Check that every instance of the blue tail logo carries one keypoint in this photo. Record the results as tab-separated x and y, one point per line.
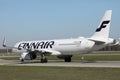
103	25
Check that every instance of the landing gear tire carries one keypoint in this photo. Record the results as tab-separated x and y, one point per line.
67	59
22	60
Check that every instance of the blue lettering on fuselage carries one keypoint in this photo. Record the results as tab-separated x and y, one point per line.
36	45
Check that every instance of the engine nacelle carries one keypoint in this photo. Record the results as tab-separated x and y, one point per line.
28	56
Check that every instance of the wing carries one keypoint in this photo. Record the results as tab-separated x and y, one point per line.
47	51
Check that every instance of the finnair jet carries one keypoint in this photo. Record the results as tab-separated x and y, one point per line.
66	48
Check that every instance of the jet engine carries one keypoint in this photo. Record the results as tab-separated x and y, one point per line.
28	56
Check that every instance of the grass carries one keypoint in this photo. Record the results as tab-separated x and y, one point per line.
99	58
61	73
58	73
10	58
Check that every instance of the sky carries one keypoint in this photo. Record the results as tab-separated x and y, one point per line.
54	19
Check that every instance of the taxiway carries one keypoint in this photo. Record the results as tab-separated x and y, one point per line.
112	64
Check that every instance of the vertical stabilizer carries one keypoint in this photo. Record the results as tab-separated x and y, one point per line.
102	32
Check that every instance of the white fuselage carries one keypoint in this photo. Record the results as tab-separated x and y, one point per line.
64	46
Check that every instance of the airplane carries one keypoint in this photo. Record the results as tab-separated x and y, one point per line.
119	41
66	48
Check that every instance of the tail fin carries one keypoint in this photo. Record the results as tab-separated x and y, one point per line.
4	42
102	32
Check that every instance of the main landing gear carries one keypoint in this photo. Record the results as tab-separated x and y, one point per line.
43	58
67	59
